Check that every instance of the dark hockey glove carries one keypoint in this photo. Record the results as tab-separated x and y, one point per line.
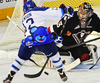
70	10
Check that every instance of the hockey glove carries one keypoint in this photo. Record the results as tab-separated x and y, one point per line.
58	39
68	10
28	42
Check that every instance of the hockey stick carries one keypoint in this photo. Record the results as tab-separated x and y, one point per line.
72	65
15	24
66	18
34	62
37	74
67	68
76	45
77	61
95	63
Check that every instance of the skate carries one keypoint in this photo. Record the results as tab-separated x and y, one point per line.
62	75
9	77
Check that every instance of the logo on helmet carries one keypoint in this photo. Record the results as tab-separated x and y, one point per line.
85	8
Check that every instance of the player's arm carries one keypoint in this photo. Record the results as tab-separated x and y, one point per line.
68	12
57	27
56	13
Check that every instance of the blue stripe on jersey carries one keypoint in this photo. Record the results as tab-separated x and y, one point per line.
57	61
15	67
62	13
38	9
18	62
59	66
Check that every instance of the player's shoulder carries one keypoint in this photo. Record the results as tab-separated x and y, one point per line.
39	9
95	16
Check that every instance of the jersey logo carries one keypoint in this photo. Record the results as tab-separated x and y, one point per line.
40	34
80	36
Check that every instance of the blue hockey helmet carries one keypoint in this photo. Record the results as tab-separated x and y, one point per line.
29	4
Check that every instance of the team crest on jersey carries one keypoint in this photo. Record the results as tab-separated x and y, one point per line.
80	36
40	34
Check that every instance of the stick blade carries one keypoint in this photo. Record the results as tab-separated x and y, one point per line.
72	65
37	74
91	67
32	75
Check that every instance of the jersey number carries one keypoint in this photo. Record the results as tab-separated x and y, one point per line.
29	22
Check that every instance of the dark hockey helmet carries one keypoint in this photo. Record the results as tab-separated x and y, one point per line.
85	8
29	4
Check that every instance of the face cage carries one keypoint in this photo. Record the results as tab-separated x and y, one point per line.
88	15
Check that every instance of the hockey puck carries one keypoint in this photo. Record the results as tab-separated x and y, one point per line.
46	73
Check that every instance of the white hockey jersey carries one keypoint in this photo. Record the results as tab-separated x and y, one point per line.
38	17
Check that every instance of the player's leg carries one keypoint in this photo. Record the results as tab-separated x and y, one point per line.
23	55
14	68
65	56
93	54
52	53
83	52
57	62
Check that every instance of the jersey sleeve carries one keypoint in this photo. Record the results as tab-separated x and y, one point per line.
50	13
54	14
58	27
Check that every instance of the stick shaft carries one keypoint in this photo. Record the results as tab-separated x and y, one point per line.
76	45
95	63
15	24
37	74
34	62
66	18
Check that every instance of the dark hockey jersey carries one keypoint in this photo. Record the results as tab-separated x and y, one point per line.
73	33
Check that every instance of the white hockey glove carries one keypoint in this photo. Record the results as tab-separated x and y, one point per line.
68	10
58	40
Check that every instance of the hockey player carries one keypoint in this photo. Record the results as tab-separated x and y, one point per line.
76	29
38	38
